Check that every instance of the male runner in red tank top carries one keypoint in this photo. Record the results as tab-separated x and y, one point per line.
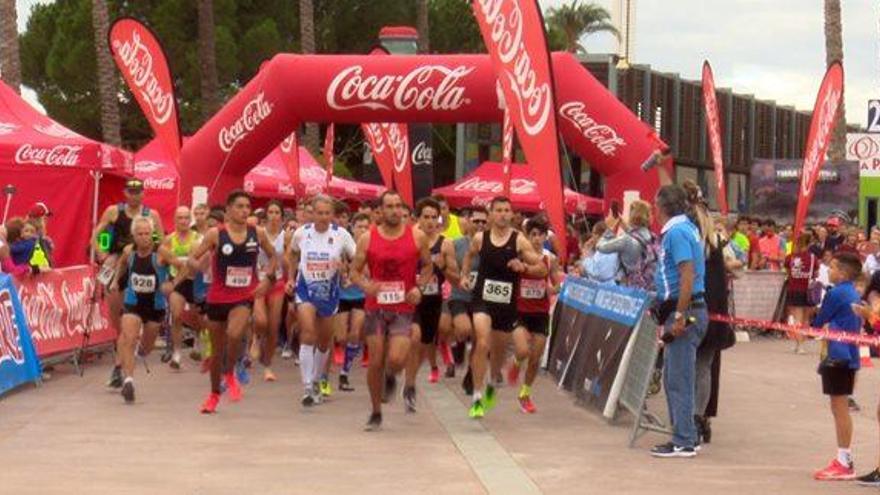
391	250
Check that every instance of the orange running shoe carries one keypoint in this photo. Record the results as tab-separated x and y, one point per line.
835	471
434	377
338	354
526	405
210	404
233	387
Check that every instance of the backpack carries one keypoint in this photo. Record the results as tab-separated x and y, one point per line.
642	274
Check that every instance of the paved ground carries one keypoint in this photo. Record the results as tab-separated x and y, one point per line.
73	436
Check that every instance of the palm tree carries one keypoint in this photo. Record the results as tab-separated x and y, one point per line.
834	52
207	59
567	24
423	26
108	84
10	63
307	41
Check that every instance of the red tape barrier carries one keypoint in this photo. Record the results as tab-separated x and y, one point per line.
819	333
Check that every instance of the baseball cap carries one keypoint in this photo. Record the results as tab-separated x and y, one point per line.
134	185
39	210
833	222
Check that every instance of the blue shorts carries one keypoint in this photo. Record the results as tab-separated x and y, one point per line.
324	297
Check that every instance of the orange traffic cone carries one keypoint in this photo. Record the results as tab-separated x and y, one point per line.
865	356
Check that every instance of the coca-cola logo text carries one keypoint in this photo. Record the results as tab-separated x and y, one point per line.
714	133
812	161
60	309
64	155
479	185
147	166
289	143
603	136
137	60
255	112
434	87
422	154
10	335
531	90
163	183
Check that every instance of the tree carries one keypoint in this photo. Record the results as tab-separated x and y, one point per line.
108	85
423	26
567	24
208	59
307	42
834	53
10	61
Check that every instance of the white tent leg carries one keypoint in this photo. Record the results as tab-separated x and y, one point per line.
97	176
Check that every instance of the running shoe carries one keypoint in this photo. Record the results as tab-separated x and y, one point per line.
669	449
409	399
307	399
115	380
287	353
390	389
210	404
491	398
835	471
477	410
344	385
526	405
195	355
513	374
467	384
166	356
434	376
326	389
241	373
175	361
268	375
853	405
316	394
450	371
374	423
128	391
870	479
233	387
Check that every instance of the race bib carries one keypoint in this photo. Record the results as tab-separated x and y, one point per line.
106	274
391	293
143	284
319	271
497	291
472	279
532	289
431	288
238	276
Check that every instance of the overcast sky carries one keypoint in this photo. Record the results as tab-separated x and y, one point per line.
774	49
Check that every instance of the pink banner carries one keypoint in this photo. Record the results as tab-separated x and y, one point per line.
713	126
389	144
821	127
60	306
507	149
290	156
329	157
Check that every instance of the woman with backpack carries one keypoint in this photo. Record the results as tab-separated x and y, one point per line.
634	246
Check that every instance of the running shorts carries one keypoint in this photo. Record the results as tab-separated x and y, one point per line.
220	311
503	317
536	323
388	323
428	318
147	314
347	305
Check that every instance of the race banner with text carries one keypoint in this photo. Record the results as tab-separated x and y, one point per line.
18	359
389	144
290	156
592	326
825	111
713	126
144	66
61	306
513	31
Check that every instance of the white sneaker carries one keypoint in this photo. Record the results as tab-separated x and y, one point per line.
286	353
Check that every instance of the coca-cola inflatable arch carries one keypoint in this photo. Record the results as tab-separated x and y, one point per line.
291	89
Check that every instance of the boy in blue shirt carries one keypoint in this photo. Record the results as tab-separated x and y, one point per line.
840	361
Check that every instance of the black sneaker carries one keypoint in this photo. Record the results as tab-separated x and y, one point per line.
344	385
409	399
166	356
870	479
308	400
128	392
468	383
853	405
450	371
374	423
669	449
390	389
115	380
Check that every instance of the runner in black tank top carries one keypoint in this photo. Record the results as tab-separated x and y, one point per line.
494	295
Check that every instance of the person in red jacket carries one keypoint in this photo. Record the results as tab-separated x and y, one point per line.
802	267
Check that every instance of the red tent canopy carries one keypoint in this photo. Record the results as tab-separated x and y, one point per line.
484	183
269	179
47	162
161	180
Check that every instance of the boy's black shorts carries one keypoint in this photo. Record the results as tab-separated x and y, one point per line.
837	380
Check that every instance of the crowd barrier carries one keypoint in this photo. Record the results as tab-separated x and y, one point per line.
58	315
758	295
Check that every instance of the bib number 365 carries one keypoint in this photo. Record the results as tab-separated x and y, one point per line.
497	291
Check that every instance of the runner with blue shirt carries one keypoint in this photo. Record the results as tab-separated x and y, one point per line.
351	312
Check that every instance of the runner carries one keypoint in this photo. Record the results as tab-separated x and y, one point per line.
504	256
392	251
316	253
116	221
428	310
350	317
180	243
200	218
267	309
142	275
533	304
234	246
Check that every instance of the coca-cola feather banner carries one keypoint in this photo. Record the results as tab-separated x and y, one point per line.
144	66
824	116
513	31
713	126
329	157
290	155
389	145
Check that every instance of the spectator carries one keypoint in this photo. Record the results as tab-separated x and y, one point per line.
681	309
602	268
24	246
770	248
835	238
820	236
754	244
634	246
850	244
802	268
740	235
39	214
868	252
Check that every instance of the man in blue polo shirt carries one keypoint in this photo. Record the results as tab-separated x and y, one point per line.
679	279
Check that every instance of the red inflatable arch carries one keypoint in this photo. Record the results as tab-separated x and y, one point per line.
291	89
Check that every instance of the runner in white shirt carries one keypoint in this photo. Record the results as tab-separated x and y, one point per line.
316	252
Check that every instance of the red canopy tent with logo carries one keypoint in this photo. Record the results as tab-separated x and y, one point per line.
73	175
485	182
269	179
157	170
